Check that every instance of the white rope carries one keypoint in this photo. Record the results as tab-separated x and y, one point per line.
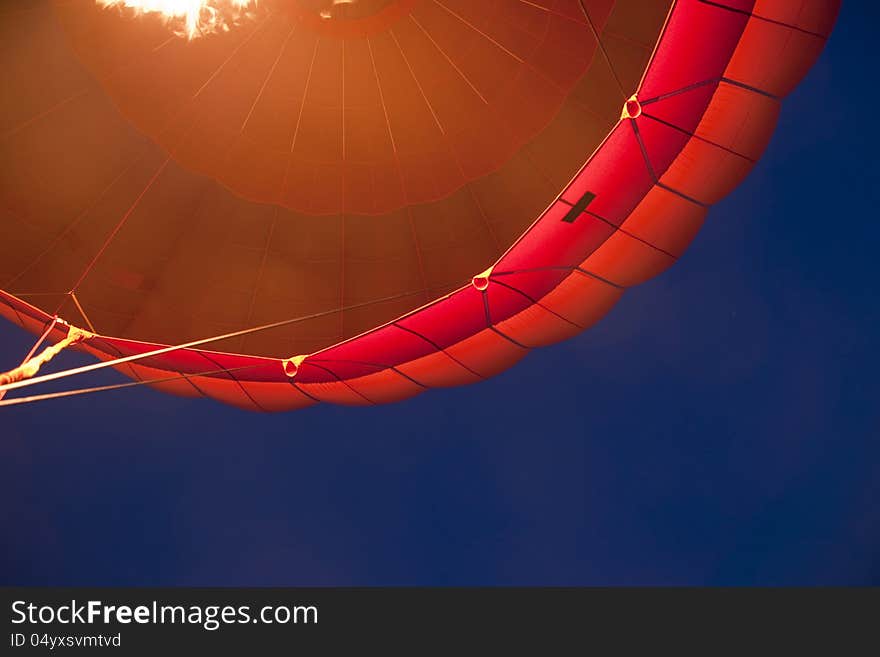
188	345
130	384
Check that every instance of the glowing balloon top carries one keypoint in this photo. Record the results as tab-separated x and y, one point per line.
190	18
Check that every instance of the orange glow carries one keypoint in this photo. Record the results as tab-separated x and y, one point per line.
327	13
191	18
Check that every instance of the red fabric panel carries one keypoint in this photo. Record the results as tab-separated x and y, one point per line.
556	243
388	345
666	220
450	342
792	52
662	144
386	386
534	283
682	109
582	299
450	320
696	46
439	370
812	15
487	353
627	261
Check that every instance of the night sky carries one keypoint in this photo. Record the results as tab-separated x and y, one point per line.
721	426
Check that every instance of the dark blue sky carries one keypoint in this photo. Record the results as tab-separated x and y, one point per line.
721	426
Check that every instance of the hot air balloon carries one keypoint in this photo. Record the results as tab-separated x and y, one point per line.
277	203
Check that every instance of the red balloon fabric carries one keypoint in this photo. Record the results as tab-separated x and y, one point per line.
400	194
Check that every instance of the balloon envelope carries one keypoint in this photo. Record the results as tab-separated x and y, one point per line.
433	186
